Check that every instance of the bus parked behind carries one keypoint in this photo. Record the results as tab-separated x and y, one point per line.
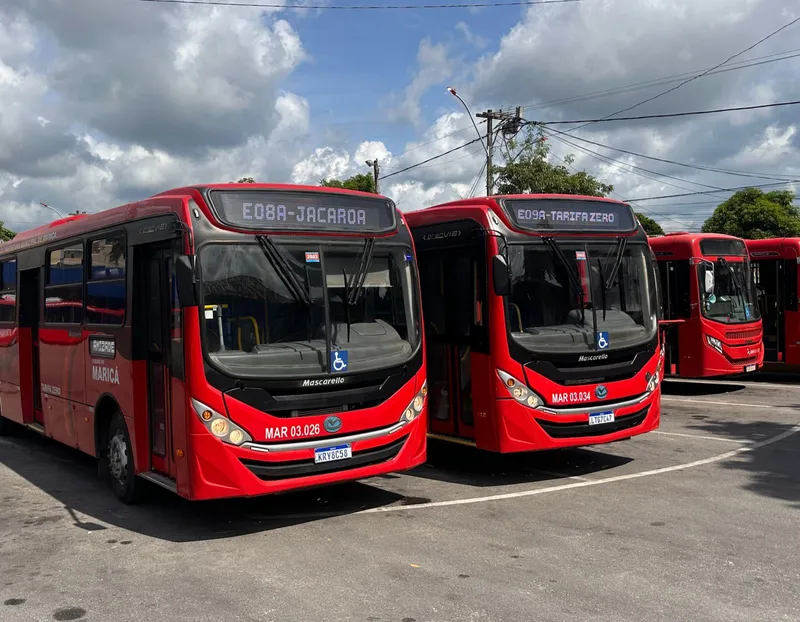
712	322
775	276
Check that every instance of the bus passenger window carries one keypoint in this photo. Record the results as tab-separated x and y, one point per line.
105	291
63	294
8	290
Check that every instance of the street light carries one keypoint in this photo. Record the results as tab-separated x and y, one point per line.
452	92
52	208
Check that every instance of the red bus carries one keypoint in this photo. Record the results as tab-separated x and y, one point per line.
220	341
541	321
774	264
712	325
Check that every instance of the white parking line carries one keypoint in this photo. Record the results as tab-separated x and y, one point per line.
705	438
667	398
598	482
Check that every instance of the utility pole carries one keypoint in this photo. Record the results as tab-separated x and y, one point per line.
508	123
376	170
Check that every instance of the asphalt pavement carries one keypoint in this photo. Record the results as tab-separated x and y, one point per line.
696	521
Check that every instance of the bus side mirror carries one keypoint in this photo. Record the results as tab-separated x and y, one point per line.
709	282
502	284
184	280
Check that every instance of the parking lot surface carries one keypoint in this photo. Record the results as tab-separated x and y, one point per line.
696	521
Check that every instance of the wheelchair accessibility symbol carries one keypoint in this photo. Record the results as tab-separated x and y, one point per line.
602	341
339	360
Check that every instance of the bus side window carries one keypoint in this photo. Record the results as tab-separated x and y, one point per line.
681	297
8	290
790	284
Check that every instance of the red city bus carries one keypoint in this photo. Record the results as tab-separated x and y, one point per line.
541	321
220	341
774	263
712	325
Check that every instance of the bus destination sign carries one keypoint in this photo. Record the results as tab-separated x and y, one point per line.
303	211
567	215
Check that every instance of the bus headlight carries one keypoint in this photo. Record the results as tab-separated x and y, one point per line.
221	427
519	391
413	410
653	381
714	343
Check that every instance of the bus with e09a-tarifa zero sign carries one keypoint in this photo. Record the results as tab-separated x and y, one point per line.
540	321
712	325
220	341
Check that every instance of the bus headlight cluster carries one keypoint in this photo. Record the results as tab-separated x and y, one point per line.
221	427
714	343
413	410
519	391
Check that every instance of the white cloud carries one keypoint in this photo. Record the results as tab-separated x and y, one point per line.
434	67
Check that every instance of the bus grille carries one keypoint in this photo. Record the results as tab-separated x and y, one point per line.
305	468
580	429
743	334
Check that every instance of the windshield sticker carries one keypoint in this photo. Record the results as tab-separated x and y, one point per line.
602	340
580	255
339	361
312	257
408	257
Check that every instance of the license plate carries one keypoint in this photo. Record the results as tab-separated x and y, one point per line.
749	367
607	417
331	454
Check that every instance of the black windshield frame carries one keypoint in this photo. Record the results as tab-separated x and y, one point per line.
327	246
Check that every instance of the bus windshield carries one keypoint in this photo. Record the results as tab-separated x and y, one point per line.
267	306
726	291
559	291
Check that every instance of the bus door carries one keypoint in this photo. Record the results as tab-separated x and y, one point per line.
674	284
153	286
453	286
768	277
29	314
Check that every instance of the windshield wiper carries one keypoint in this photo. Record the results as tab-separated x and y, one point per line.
606	283
360	275
571	275
346	303
735	278
284	271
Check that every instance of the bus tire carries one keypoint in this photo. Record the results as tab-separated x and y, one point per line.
6	426
118	458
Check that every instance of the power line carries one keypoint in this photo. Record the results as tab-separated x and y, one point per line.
794	53
697	76
666	161
665	116
648	174
362	7
688	194
436	157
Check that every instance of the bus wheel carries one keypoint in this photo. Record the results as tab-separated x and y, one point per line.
6	426
119	460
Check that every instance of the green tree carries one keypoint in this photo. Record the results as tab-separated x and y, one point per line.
244	180
754	214
651	227
6	234
363	182
531	172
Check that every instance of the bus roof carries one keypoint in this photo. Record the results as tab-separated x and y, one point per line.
83	223
682	245
787	248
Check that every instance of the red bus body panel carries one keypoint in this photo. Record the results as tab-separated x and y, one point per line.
201	466
500	423
741	342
